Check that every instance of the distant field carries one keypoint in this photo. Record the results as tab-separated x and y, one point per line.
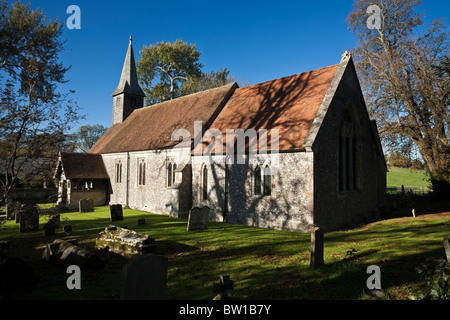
396	177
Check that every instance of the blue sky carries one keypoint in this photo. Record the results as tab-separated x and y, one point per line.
257	40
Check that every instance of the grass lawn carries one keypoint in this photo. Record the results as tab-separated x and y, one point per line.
265	264
396	177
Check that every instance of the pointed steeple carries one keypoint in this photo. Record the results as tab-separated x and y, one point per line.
128	80
129	95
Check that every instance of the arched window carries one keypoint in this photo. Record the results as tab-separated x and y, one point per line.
174	168
118	171
169	175
348	154
257	184
141	172
267	181
204	188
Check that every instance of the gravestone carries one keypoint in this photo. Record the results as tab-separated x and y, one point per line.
447	249
115	212
66	253
86	205
317	245
50	228
53	223
29	218
198	218
124	241
145	278
141	222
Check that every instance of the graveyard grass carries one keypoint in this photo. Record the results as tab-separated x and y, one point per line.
264	263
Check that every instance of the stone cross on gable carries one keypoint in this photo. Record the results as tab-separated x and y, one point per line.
346	55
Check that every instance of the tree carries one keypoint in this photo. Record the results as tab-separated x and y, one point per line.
404	75
207	81
173	63
88	135
33	115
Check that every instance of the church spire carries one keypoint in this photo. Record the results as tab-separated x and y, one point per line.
128	95
128	80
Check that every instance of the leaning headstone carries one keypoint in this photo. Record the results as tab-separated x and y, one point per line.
29	218
115	212
86	205
447	249
145	278
124	241
317	245
198	218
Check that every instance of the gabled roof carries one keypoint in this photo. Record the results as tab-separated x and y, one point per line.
151	128
81	166
289	104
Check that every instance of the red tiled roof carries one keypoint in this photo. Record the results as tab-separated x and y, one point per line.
151	128
289	104
83	166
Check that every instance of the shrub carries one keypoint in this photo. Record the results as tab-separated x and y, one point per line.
397	159
416	164
436	273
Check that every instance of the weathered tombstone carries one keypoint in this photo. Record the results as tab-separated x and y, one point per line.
317	245
68	253
116	213
198	218
221	288
86	205
447	249
29	219
124	241
50	227
145	278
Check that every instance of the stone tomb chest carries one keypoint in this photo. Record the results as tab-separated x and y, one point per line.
124	241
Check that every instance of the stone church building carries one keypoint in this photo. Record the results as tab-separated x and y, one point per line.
311	154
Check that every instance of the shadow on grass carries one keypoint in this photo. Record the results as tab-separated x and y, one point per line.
265	264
